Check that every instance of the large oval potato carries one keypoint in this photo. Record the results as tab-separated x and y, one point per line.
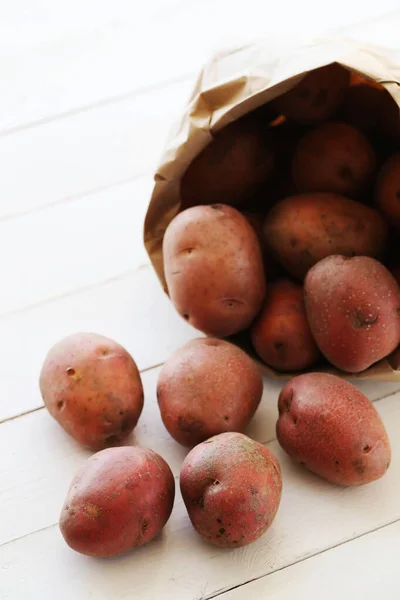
317	96
301	230
334	157
353	307
330	427
231	167
231	486
119	499
214	269
387	190
92	387
281	335
207	387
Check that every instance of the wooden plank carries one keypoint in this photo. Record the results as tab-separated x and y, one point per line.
56	251
132	310
314	516
113	49
366	568
68	158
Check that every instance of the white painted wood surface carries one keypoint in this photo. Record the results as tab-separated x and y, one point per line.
88	92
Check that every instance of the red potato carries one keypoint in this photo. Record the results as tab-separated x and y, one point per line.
231	167
207	387
301	230
231	486
387	190
336	158
119	499
353	308
330	427
214	269
395	271
281	335
362	107
92	387
317	96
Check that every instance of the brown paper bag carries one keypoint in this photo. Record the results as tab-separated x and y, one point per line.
232	84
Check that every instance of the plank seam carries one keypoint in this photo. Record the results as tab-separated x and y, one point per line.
224	591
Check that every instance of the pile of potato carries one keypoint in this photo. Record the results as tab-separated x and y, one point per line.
299	272
286	214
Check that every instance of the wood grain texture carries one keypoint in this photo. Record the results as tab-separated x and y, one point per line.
356	569
74	245
314	516
66	159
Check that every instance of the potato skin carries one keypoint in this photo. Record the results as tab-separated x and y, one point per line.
214	269
303	229
208	387
353	307
336	158
395	271
387	190
231	486
119	499
329	426
92	387
231	167
317	96
281	335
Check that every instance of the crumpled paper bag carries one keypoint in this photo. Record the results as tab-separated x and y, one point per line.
232	84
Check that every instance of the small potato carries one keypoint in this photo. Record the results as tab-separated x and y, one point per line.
231	486
214	269
208	387
317	96
353	308
387	190
281	335
330	427
92	387
334	157
301	230
119	499
231	167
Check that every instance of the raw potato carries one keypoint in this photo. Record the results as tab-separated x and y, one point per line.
214	269
92	387
387	191
231	167
395	271
330	427
367	107
119	499
334	157
301	230
353	307
317	96
231	486
208	387
281	335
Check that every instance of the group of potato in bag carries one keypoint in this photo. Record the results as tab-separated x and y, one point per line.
322	208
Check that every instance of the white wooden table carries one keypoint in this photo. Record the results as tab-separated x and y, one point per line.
88	91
